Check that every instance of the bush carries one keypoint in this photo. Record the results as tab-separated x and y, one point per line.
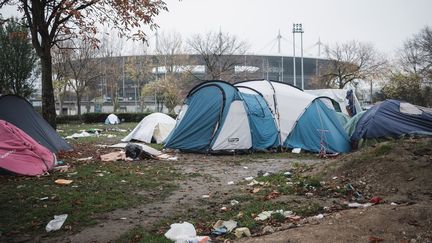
68	119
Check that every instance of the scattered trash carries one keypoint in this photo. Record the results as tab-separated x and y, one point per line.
255	182
224	208
273	195
376	200
373	239
296	150
308	194
134	151
84	159
411	179
79	135
142	151
56	223
267	214
294	217
111	136
319	216
359	205
123	218
245	167
234	202
230	183
249	178
113	156
222	227
123	181
100	174
239	215
264	215
72	173
288	173
393	204
239	232
43	198
334	177
63	181
61	168
205	196
266	174
256	190
356	193
184	232
268	229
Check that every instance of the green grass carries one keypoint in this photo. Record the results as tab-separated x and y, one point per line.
69	129
383	149
96	188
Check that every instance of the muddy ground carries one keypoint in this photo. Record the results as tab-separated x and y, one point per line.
400	173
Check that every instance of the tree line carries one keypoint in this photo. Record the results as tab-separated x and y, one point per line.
60	40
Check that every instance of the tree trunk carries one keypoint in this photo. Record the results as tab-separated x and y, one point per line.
60	101
78	98
48	101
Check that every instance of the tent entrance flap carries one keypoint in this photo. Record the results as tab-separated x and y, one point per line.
318	126
235	133
196	129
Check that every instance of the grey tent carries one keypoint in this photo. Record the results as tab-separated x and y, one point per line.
21	113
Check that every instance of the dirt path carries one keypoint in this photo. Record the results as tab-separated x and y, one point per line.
386	223
211	178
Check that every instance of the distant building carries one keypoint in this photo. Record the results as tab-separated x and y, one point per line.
279	68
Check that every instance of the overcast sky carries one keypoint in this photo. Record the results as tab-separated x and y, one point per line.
384	23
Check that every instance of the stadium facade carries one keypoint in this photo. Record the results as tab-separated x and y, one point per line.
271	67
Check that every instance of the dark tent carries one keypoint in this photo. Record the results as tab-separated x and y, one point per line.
21	113
392	119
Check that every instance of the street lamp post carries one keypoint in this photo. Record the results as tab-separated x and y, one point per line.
298	28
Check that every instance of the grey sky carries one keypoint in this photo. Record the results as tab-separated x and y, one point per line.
384	23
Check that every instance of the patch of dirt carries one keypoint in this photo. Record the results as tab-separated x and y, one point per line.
398	172
404	223
207	175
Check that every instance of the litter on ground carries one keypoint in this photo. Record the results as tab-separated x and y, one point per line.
56	223
184	232
63	181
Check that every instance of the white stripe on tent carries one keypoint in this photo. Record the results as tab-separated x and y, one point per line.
235	133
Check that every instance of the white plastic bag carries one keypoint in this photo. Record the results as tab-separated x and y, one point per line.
56	223
184	233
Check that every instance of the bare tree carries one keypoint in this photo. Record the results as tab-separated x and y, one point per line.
219	52
81	67
112	69
60	82
51	22
139	70
411	77
351	61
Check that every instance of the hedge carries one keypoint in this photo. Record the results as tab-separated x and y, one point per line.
100	117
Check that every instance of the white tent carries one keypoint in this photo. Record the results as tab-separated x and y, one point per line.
339	95
112	119
156	125
287	102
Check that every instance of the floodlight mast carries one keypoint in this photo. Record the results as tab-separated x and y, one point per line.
298	28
